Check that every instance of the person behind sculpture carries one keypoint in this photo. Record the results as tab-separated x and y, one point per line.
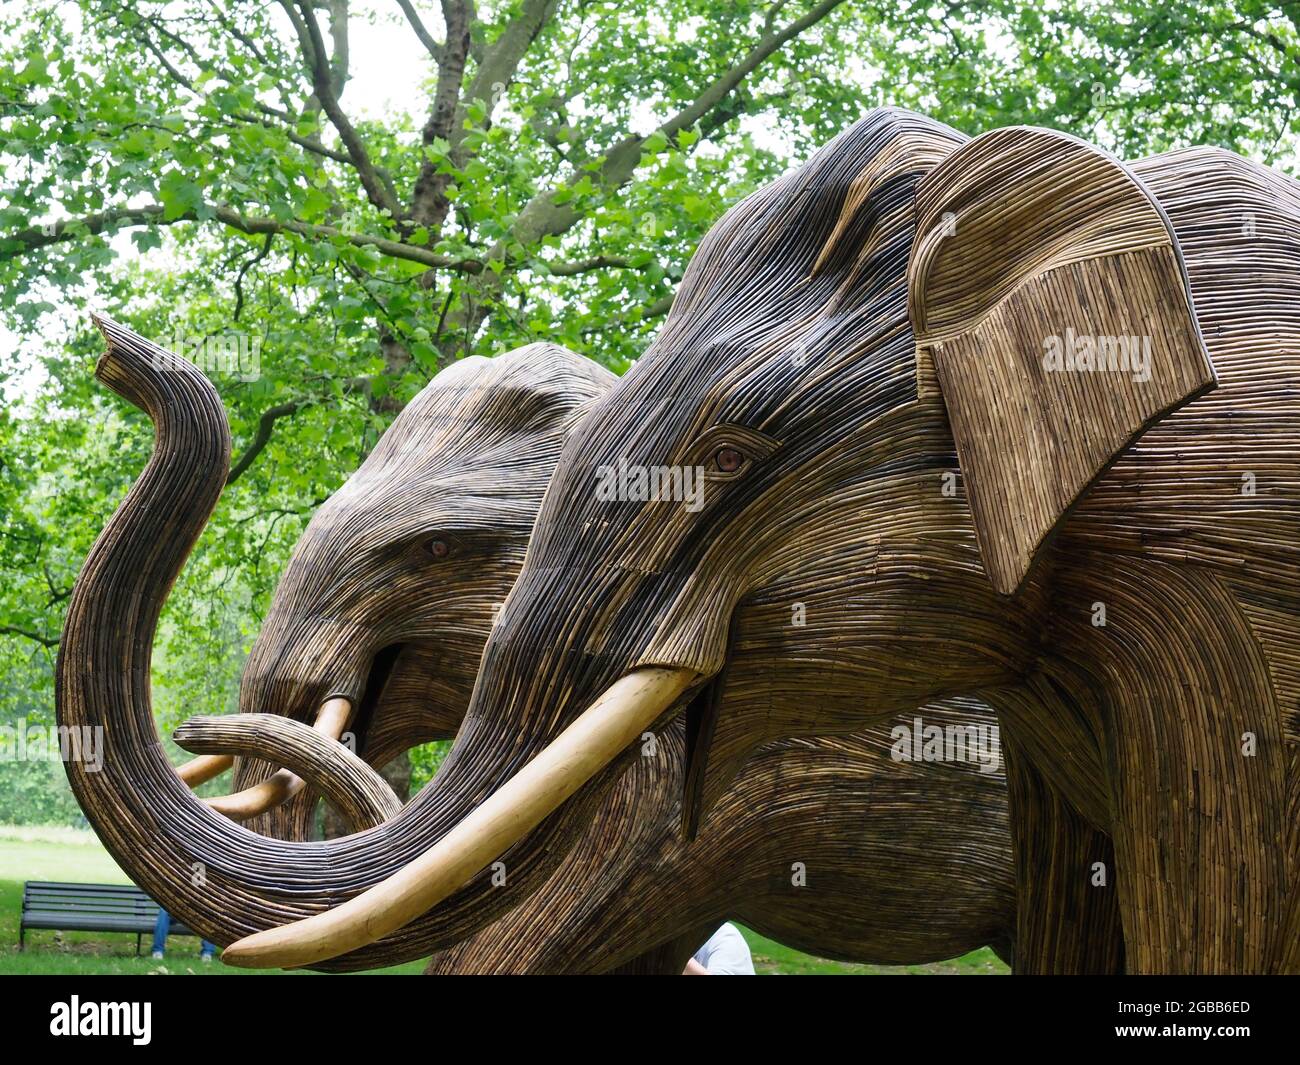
725	953
162	929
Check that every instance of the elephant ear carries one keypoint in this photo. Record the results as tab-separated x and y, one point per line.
1043	275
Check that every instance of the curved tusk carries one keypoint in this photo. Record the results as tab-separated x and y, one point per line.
331	719
629	706
360	794
202	769
275	790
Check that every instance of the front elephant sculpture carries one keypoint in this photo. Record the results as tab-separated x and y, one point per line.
371	614
927	876
829	844
1001	417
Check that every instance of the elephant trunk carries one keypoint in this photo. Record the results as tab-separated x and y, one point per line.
223	880
508	816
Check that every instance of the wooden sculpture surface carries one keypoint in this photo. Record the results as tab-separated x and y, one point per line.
879	885
827	844
1003	417
909	862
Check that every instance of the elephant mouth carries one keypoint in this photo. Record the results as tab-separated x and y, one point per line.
629	706
372	695
343	716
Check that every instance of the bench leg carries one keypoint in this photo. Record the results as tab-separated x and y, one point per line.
22	938
137	944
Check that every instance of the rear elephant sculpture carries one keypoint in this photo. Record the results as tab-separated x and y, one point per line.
421	546
391	590
827	844
385	606
1001	416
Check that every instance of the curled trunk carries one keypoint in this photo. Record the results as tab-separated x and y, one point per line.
221	879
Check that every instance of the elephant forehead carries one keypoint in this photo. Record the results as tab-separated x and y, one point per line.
479	403
377	510
791	308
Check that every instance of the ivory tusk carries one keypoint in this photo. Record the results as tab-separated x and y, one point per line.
203	768
629	706
331	719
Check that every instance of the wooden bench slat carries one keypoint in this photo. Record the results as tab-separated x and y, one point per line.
52	904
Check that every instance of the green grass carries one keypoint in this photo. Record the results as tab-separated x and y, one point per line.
68	854
56	854
771	958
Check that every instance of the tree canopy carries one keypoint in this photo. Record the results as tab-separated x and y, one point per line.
204	171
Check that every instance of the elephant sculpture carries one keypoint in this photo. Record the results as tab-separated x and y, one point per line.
373	613
827	844
927	877
1002	417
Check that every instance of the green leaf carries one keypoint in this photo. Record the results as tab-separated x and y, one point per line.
144	239
179	195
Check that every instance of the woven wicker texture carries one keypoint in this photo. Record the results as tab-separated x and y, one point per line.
904	501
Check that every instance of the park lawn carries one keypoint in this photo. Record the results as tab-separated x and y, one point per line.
771	958
72	855
77	856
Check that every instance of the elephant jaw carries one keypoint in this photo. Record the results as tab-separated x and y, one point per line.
333	719
628	707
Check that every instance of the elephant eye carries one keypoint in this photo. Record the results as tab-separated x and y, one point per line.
728	459
439	548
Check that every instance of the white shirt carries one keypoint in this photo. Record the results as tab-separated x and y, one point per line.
726	953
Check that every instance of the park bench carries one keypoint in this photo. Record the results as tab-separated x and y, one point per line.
90	908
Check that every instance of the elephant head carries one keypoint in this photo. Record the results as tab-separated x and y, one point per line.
931	416
842	846
392	588
378	622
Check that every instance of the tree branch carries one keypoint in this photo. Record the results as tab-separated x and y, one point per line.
262	437
429	203
657	309
243	271
543	216
546	214
584	266
379	192
35	637
269	117
152	214
426	38
496	70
